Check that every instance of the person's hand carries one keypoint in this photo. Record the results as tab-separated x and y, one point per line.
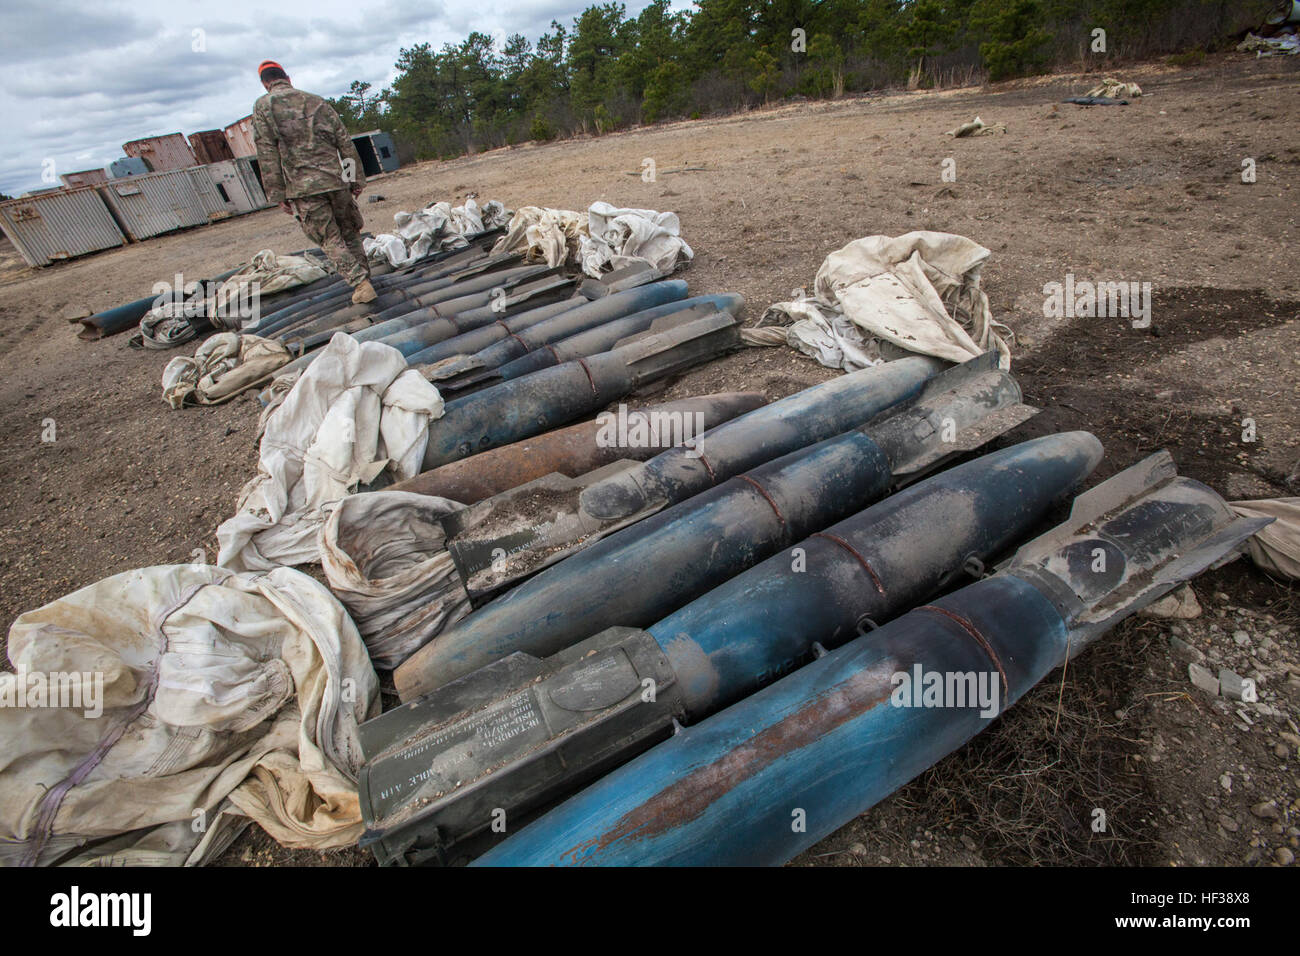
285	207
356	189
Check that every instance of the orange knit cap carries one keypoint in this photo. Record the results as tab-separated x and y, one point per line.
265	64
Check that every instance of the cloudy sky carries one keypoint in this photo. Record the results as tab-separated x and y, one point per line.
82	77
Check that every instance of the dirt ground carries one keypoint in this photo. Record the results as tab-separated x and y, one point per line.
1150	192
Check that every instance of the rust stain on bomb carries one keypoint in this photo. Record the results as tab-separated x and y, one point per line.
684	801
569	451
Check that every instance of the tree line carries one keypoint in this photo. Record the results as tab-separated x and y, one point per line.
609	71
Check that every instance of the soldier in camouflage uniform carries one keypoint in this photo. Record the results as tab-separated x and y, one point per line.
311	168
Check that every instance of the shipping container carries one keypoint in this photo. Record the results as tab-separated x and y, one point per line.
237	185
240	136
128	166
162	152
214	203
156	203
377	151
59	225
251	175
210	146
84	177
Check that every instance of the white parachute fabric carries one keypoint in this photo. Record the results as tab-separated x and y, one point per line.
384	556
602	239
176	703
354	413
621	237
1276	547
544	235
919	292
437	226
222	366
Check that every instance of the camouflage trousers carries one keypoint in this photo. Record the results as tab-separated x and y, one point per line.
333	221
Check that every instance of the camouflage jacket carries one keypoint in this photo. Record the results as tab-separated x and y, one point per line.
302	145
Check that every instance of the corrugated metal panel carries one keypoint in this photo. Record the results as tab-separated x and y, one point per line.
84	177
162	152
240	135
213	204
59	225
210	146
233	178
252	179
150	205
134	211
226	178
128	166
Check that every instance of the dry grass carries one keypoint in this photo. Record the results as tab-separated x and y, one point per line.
1028	785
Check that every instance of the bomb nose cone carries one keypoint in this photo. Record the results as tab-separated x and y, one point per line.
1086	444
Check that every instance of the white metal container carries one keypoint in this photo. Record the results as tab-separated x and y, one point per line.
247	167
232	184
59	225
214	203
156	203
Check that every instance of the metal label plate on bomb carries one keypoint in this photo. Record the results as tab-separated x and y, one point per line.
456	753
511	735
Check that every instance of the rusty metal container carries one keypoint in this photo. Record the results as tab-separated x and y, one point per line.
210	146
162	152
62	224
240	136
84	177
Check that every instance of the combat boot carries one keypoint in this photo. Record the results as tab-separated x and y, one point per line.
364	293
